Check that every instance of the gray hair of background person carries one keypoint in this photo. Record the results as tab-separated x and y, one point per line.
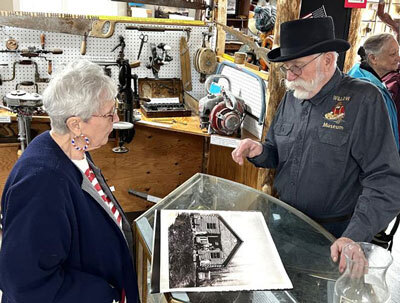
80	90
373	45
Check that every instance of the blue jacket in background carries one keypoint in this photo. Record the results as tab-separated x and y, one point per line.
60	244
360	73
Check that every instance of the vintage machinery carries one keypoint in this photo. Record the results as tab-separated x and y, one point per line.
221	112
24	105
125	95
129	99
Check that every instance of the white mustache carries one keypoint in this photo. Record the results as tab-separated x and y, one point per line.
300	84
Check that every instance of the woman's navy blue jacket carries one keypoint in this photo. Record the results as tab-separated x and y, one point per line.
60	241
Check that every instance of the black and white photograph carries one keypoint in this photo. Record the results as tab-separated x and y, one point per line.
216	251
231	7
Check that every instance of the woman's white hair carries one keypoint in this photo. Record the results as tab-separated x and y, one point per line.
374	44
79	90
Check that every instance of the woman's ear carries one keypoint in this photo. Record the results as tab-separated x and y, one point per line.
371	59
74	125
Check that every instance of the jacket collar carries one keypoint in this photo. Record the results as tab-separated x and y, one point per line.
364	65
66	162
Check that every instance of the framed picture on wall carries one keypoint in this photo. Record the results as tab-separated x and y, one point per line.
232	7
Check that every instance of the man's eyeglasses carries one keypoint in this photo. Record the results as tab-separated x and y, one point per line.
112	114
294	69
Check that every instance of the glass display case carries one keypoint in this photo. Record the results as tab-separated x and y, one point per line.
303	245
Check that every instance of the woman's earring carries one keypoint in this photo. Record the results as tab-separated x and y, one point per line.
84	138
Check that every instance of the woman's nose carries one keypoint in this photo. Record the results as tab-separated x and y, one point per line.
115	118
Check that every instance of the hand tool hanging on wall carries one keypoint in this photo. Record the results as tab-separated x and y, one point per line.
205	59
42	40
11	44
157	60
38	79
159	29
49	62
84	44
143	39
186	70
92	26
33	52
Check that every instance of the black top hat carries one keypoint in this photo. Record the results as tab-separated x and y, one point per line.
304	37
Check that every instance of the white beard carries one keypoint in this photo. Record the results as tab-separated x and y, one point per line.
305	89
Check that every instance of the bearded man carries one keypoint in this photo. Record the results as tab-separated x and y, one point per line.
330	141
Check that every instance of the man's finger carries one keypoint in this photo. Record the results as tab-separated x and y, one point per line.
334	252
240	152
237	157
342	263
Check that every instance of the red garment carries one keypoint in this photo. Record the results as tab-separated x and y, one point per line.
392	81
92	178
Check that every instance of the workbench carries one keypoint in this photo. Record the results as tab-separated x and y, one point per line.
164	153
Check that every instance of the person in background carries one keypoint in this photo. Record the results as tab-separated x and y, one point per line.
379	56
65	237
330	141
392	78
392	82
387	19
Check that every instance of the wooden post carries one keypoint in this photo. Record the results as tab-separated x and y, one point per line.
286	10
220	16
353	38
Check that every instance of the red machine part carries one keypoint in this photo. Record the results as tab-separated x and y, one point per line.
226	121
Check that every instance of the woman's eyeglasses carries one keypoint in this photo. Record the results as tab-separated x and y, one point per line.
112	114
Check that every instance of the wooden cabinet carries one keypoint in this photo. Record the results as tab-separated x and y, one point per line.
238	15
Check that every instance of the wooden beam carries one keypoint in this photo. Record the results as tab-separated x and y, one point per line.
220	16
353	38
286	10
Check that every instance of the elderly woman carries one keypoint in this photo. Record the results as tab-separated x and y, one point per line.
379	56
65	237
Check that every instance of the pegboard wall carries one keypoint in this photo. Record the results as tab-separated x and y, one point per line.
98	49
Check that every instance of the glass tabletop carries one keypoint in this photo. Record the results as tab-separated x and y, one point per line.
303	245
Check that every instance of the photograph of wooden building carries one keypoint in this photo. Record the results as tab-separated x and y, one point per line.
215	242
211	242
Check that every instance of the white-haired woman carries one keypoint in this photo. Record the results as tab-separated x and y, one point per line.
379	56
65	237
